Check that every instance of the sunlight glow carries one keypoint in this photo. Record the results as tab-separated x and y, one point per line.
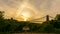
25	15
26	10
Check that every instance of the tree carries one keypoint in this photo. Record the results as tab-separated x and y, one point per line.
57	17
1	14
57	21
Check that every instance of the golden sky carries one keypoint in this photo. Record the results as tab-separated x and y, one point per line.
42	7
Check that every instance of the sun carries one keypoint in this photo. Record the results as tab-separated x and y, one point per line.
25	11
25	15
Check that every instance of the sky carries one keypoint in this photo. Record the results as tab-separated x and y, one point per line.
43	7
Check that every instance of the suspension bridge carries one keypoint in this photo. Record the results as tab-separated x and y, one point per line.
42	19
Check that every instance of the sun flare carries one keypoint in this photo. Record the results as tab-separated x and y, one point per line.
26	11
25	15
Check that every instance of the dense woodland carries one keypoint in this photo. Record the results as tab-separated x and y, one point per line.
12	25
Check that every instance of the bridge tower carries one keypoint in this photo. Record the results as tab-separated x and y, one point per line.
47	17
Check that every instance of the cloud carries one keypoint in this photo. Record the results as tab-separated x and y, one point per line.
9	6
51	7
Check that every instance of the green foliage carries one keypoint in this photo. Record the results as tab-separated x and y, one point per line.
57	17
57	24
